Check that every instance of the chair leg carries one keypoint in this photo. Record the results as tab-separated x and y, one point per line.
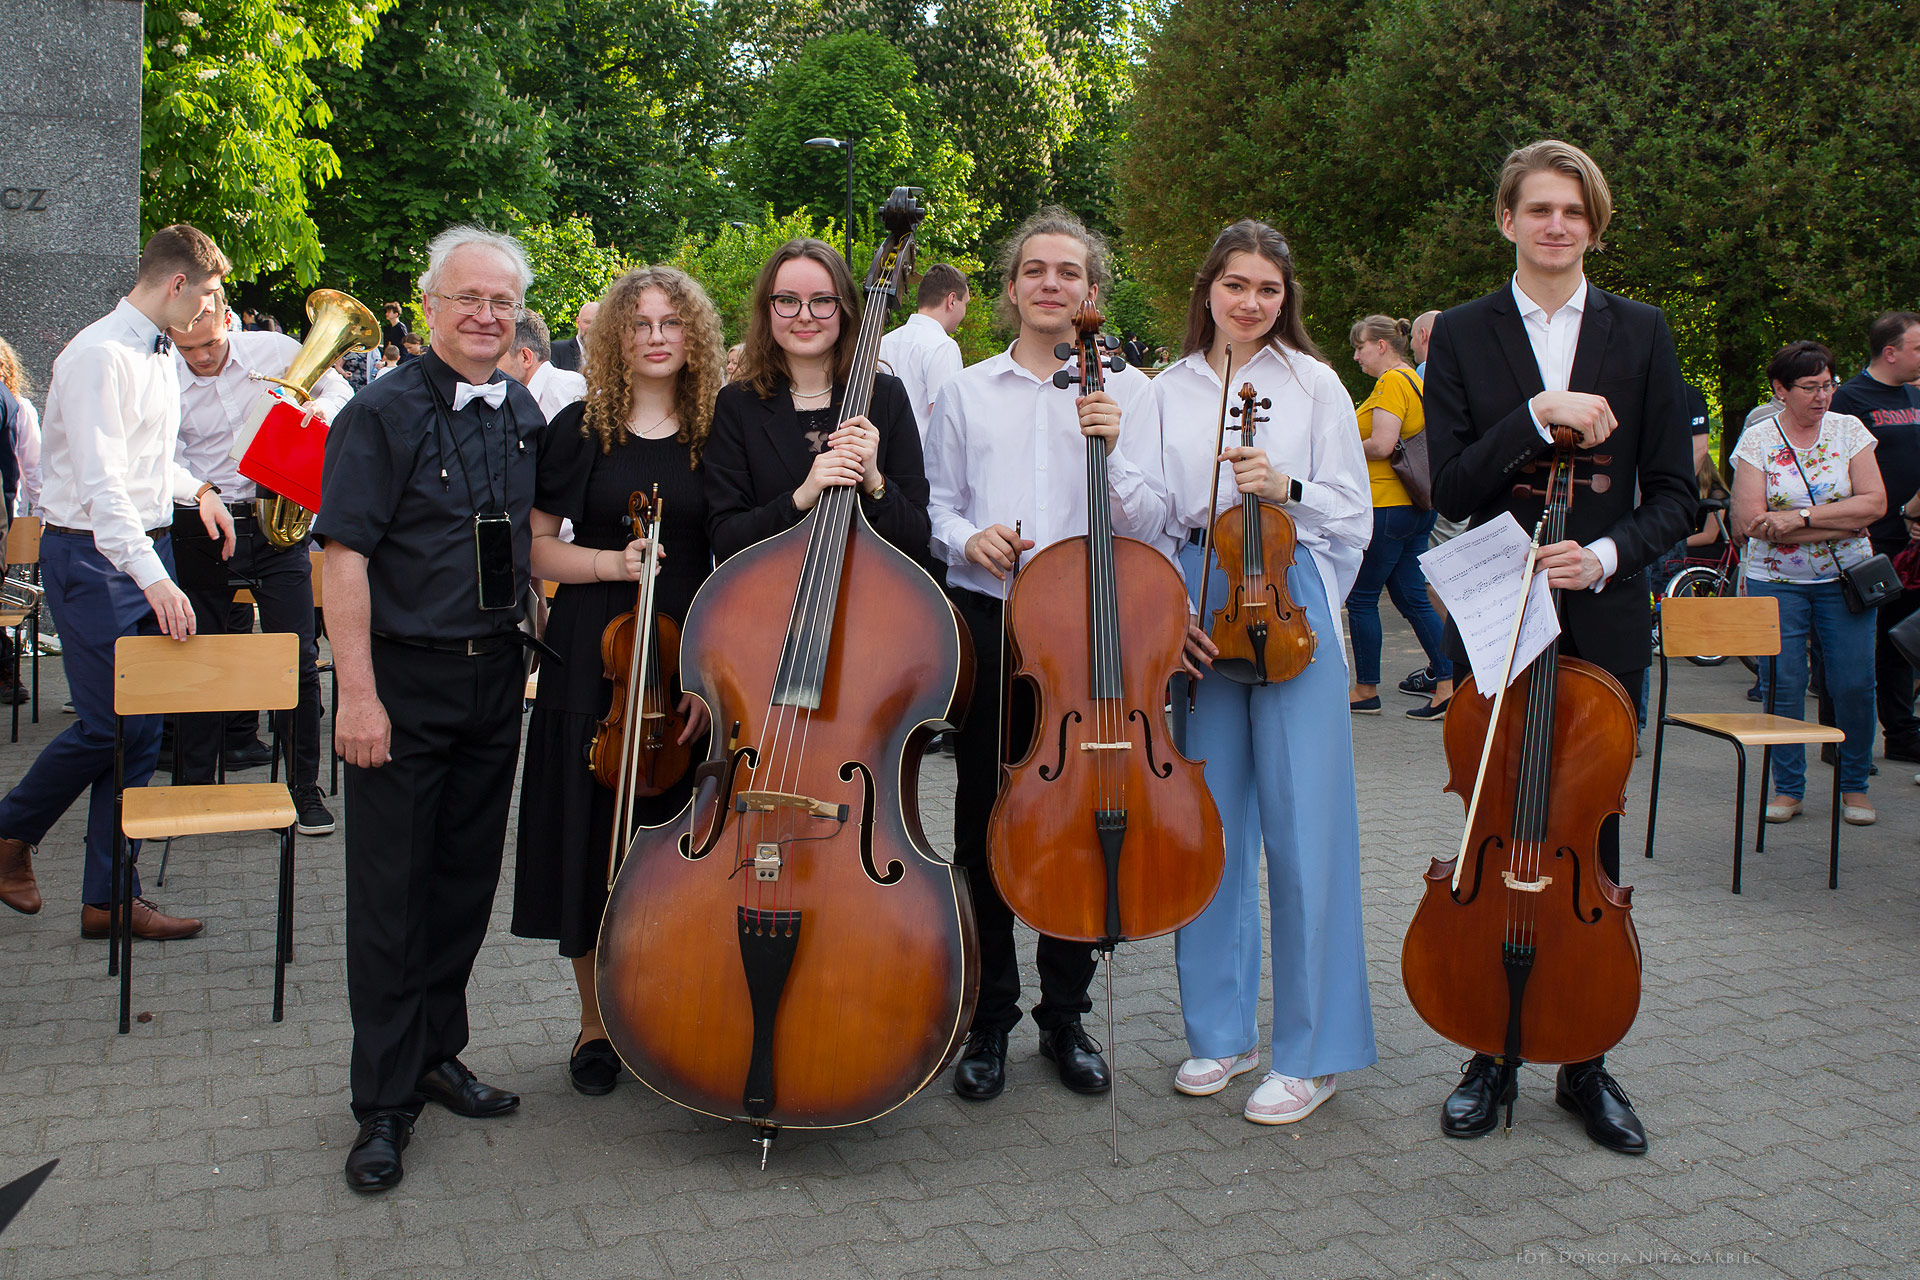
1833	837
36	667
16	682
1739	811
166	850
1653	793
1766	782
283	926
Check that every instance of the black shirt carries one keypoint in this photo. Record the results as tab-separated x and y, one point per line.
396	334
383	494
1892	414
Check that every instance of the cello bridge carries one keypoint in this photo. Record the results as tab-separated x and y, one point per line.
766	862
1525	886
1106	746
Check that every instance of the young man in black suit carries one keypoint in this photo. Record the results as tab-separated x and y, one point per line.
1548	349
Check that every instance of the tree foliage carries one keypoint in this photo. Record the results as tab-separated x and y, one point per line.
230	118
570	266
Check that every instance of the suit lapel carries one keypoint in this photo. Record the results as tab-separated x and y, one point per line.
781	427
1589	356
1510	335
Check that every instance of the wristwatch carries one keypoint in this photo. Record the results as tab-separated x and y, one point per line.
1293	491
208	487
1806	517
879	493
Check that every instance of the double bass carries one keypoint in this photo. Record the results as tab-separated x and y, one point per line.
1103	830
1522	947
791	953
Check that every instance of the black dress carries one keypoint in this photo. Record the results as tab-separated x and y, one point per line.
566	816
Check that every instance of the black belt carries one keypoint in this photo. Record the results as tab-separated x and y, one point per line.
155	534
471	648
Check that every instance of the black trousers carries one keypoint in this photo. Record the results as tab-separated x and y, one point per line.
1892	677
1065	967
282	583
424	837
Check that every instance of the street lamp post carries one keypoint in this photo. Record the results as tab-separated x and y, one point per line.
847	146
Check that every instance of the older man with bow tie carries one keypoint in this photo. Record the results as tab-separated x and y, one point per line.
427	489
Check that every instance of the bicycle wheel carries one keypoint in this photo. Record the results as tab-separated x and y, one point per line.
1700	582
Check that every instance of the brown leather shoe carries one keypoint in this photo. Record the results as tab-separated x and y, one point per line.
148	922
18	888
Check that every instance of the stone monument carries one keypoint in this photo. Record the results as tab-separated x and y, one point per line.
69	168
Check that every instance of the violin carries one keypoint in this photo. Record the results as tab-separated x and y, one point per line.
644	675
791	952
1522	947
1263	636
1103	830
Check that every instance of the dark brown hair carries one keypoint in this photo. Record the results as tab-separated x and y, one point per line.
1887	330
941	279
609	399
1799	360
181	250
763	365
1249	236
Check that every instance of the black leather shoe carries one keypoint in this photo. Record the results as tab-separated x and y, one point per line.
454	1087
246	755
1074	1052
374	1162
1586	1089
594	1068
982	1072
1473	1108
1904	749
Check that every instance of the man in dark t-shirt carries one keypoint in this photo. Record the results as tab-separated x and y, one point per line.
1880	396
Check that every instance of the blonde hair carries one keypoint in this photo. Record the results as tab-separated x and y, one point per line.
609	399
1052	220
1397	334
1550	155
13	371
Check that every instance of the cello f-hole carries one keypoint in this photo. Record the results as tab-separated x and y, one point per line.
1492	842
1060	761
1146	731
1566	851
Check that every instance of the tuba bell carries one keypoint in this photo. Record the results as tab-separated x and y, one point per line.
339	323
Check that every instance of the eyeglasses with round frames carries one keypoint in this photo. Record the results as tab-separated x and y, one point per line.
1827	385
787	306
672	329
467	305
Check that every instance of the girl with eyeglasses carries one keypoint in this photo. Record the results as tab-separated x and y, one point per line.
777	440
653	370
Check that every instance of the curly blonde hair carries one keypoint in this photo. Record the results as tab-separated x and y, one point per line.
610	380
13	371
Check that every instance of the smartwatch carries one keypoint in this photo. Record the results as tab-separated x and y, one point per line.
1294	491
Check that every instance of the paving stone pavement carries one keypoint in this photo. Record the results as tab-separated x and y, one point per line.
1775	1063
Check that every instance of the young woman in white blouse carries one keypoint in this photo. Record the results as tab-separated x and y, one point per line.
1279	756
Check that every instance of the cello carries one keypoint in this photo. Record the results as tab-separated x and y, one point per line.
1262	635
790	953
1522	947
1103	830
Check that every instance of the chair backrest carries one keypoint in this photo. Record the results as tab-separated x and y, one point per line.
23	540
1743	626
318	560
154	675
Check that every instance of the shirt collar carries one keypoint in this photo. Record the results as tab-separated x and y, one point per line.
923	319
539	379
443	375
144	331
1197	362
1529	308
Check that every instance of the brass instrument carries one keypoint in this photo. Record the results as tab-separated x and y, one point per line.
339	323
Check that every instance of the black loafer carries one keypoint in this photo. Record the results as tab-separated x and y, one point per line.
1077	1057
1473	1108
374	1162
594	1068
1586	1089
982	1072
246	755
454	1087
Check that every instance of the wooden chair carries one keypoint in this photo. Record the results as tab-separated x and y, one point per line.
20	603
156	675
1743	627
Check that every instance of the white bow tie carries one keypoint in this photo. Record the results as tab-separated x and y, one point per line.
465	393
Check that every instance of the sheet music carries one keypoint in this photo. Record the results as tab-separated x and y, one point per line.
1477	576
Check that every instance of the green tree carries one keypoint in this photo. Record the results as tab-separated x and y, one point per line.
229	113
570	267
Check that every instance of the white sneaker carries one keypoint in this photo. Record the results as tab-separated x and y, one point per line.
1282	1099
1200	1077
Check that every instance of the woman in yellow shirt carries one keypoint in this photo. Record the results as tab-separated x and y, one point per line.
1392	413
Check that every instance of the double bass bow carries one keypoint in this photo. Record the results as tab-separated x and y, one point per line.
1262	635
1522	947
792	953
1103	830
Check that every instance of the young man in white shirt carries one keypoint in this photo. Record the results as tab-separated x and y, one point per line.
109	482
218	390
922	352
529	361
1006	447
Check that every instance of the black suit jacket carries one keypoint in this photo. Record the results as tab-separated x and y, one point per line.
566	354
1481	441
756	457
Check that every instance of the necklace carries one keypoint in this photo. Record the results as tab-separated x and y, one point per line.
798	394
648	433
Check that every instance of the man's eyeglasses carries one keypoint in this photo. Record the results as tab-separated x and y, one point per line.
467	305
671	330
824	307
1815	388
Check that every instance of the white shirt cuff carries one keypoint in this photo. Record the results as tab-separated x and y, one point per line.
1608	555
1538	425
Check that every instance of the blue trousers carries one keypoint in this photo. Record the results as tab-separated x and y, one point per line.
96	605
1819	610
1279	760
1392	561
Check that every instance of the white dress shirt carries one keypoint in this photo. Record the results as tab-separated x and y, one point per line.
107	449
1308	437
26	456
555	388
1555	339
214	408
921	354
1005	446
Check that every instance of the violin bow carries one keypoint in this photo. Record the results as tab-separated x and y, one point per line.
1006	677
638	508
1213	498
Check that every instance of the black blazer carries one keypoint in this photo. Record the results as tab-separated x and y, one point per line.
756	457
1480	375
566	354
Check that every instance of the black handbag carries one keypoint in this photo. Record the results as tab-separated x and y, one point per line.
1409	461
1866	585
